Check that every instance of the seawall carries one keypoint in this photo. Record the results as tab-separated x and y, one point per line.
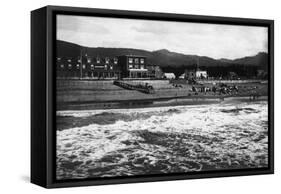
85	94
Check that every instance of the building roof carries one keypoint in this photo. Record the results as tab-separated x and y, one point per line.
201	71
132	56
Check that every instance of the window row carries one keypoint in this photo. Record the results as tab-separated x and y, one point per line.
89	60
70	66
136	60
136	66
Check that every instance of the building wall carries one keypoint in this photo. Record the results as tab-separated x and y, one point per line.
195	74
154	71
127	66
133	66
201	74
92	67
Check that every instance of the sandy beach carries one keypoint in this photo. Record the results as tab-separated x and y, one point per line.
79	95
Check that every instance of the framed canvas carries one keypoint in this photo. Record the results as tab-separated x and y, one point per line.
126	96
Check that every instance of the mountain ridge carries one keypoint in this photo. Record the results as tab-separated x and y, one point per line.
162	57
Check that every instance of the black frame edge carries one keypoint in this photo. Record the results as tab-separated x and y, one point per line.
50	104
38	97
271	94
152	178
160	15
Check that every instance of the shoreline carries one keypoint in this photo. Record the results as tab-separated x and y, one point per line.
87	95
160	102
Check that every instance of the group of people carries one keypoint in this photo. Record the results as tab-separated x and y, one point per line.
177	85
145	86
221	89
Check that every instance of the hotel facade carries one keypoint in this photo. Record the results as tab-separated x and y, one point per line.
88	67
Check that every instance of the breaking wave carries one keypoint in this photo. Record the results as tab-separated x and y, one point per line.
124	142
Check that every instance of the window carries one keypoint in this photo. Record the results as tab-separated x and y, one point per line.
111	67
142	61
98	60
89	60
105	66
130	60
106	60
130	66
142	66
58	58
69	60
79	60
62	66
92	67
77	66
84	66
69	66
137	66
136	60
115	61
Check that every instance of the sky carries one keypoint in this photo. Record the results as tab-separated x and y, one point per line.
212	40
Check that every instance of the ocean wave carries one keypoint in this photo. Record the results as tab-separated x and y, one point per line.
163	140
70	120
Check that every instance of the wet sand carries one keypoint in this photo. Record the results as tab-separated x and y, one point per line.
178	101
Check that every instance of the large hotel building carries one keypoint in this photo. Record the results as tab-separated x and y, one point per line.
126	66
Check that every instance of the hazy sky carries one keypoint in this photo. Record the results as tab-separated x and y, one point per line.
216	41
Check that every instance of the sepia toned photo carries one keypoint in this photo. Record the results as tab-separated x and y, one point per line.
150	97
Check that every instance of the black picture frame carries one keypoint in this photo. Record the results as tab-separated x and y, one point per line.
43	94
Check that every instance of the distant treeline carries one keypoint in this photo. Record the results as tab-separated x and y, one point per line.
241	71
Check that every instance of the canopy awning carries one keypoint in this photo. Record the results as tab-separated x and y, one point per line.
138	70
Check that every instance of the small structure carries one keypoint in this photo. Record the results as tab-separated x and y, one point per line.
182	76
195	74
169	75
201	74
154	71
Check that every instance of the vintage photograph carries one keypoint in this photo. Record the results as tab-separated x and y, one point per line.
149	97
